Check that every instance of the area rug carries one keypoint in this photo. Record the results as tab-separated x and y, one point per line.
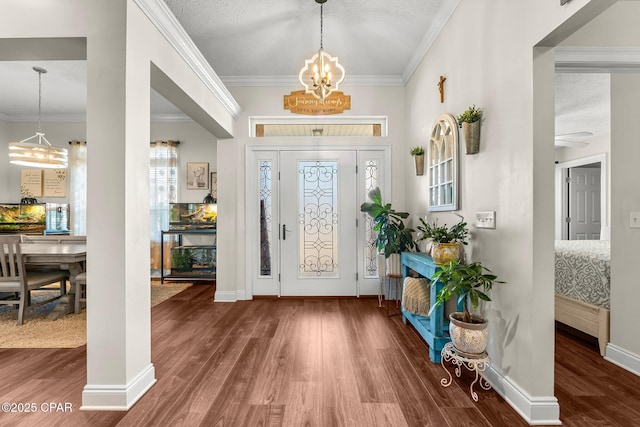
68	332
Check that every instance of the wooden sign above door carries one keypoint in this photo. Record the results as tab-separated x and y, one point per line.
299	102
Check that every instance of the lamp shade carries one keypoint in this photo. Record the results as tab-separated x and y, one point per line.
38	155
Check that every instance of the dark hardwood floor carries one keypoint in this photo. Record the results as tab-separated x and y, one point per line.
298	362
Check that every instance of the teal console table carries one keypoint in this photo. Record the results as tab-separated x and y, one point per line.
435	328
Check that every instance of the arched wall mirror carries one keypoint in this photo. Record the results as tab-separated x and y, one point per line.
442	161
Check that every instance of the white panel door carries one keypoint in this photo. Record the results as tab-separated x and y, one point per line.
318	215
584	204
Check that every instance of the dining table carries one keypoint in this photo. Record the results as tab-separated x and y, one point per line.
65	256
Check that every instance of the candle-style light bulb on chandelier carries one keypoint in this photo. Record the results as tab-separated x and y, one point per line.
42	154
322	74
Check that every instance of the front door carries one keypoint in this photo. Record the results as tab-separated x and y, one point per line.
318	213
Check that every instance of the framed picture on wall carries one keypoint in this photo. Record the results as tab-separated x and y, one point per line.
197	174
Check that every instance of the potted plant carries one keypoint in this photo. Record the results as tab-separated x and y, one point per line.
446	241
471	283
181	259
469	120
418	153
393	237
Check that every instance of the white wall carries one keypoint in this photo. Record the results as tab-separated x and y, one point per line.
123	48
624	347
598	145
196	145
4	169
268	101
486	53
625	241
58	134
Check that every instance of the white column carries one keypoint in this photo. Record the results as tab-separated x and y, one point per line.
119	368
624	348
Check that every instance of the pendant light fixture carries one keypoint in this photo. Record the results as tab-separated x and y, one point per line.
42	154
322	74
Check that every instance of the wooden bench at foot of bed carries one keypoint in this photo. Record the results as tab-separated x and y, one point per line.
585	317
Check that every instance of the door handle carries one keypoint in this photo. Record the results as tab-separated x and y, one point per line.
284	232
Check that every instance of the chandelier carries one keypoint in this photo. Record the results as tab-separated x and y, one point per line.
42	154
322	73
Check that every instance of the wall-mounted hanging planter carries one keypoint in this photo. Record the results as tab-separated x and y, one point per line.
470	123
472	137
418	154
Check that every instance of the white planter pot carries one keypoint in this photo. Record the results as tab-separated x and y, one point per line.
393	265
468	338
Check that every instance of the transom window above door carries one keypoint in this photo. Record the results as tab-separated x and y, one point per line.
318	126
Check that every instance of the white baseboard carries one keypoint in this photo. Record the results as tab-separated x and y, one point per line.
623	358
225	296
535	410
241	295
114	397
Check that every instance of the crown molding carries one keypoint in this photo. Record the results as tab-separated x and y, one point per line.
292	81
160	15
82	118
47	118
577	59
439	21
171	118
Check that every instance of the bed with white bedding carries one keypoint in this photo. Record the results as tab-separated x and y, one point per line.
582	286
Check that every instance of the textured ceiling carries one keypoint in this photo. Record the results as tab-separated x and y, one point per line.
259	39
582	105
272	38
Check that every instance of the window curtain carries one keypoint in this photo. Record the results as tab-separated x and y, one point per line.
78	187
163	179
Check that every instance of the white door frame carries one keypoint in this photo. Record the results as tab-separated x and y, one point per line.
253	153
561	192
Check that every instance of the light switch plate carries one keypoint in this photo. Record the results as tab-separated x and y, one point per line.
486	219
634	219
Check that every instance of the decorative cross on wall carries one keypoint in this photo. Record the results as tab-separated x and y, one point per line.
441	87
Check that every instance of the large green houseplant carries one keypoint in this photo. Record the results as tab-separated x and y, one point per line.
471	284
393	236
446	240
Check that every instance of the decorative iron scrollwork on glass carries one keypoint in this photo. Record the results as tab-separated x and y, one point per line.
318	218
265	217
370	248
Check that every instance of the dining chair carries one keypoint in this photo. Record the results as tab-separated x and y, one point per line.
14	277
81	290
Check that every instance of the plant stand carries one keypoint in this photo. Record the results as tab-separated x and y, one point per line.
459	360
397	278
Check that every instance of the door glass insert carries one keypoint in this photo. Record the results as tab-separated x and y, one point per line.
370	248
265	217
318	220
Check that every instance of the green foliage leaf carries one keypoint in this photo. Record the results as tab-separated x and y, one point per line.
443	234
470	282
470	115
393	236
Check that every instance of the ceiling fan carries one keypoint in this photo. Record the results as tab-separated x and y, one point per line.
573	139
